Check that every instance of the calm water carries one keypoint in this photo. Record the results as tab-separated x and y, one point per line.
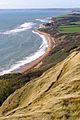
18	44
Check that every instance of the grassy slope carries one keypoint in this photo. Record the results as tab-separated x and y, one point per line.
66	44
8	84
69	23
54	95
11	82
71	26
69	29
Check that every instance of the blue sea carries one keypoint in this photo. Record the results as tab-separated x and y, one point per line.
19	45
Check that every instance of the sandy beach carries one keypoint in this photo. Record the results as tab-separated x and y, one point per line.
38	62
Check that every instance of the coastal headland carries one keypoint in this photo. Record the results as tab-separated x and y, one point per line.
51	92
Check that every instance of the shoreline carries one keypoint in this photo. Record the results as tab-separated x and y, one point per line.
38	62
46	47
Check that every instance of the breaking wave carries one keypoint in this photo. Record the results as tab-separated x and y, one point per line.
20	28
45	20
30	58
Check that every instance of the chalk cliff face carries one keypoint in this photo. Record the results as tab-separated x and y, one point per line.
53	96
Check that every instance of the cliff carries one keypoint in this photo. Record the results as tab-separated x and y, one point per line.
54	95
52	91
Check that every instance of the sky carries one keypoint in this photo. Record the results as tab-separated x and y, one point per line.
22	4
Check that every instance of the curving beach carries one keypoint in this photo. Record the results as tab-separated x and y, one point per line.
38	62
35	60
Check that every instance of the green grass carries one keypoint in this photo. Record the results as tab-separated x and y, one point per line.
63	16
77	23
69	28
9	83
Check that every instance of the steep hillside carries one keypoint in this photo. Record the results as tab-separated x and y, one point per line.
53	96
52	91
65	44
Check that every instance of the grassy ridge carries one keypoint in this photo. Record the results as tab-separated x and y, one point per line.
53	96
66	43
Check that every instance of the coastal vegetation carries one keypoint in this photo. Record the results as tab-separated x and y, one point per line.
69	28
52	90
71	24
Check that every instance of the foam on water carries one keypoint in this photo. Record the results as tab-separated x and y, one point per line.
42	20
23	62
20	28
30	58
44	44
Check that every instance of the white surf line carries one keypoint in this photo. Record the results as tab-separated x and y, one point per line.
23	27
28	59
44	44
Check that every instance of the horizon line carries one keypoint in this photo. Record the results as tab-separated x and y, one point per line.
37	8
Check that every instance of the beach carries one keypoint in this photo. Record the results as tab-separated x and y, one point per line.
38	62
17	33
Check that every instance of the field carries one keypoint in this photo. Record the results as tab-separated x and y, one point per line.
71	28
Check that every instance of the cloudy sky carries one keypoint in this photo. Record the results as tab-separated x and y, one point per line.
4	4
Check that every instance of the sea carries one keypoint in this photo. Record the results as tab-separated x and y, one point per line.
19	45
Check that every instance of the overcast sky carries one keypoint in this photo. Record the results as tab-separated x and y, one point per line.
4	4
